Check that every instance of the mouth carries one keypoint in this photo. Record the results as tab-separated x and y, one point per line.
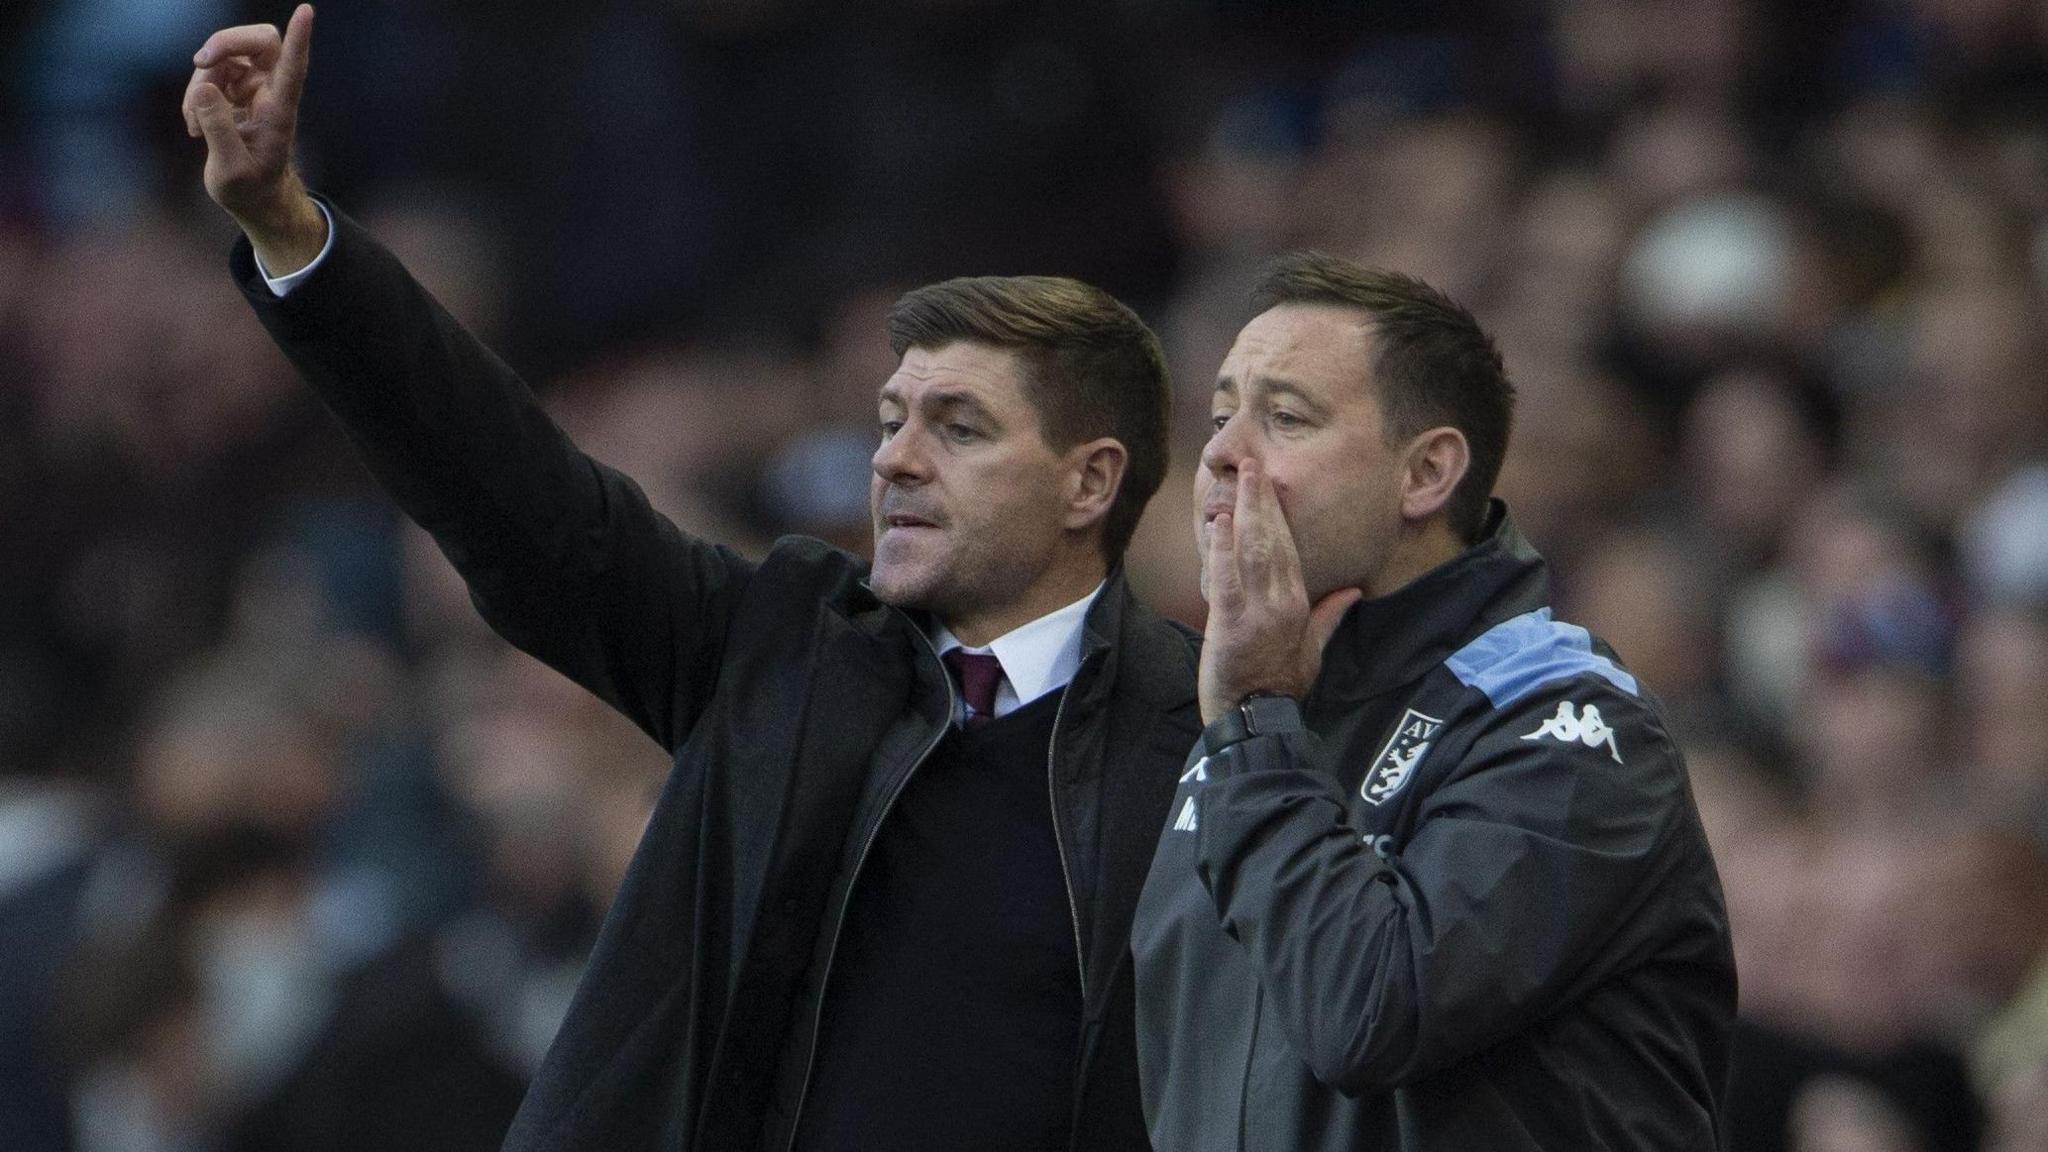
904	520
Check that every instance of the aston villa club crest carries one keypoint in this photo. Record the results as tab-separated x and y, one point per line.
1398	760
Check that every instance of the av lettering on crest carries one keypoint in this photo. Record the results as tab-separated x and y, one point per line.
1397	761
1583	725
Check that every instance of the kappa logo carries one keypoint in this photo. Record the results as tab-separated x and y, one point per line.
1398	760
1583	725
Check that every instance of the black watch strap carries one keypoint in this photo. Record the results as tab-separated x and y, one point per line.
1260	714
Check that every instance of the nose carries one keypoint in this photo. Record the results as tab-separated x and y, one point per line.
1227	446
900	458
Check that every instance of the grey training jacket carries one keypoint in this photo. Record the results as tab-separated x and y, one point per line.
1470	908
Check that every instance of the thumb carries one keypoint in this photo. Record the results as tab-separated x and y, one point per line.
1329	612
217	124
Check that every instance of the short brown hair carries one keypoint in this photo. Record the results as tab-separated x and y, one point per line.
1091	368
1435	365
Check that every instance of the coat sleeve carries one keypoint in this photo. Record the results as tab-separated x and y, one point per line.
1518	891
563	556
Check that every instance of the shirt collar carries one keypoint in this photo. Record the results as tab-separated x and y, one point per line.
1038	657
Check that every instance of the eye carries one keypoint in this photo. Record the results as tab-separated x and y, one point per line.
891	427
1218	419
1284	419
962	433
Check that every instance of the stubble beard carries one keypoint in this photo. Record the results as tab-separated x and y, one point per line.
929	581
901	585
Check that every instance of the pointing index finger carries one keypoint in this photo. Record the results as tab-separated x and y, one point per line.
297	51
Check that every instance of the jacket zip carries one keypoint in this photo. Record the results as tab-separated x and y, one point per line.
1059	844
860	861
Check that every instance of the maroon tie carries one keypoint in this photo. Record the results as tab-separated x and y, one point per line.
978	674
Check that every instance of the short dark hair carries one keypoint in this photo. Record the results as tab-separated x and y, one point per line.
1434	363
1091	368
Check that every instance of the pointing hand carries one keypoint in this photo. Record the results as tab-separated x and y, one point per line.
244	99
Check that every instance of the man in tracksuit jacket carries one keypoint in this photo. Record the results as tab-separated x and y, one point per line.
1433	878
874	907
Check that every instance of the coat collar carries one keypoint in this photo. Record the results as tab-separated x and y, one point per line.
1392	640
1120	629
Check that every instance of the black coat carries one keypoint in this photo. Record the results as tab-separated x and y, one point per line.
793	701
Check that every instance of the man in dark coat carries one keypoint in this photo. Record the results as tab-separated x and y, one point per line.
1434	879
878	904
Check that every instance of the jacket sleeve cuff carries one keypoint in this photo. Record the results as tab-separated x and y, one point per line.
1257	715
350	260
283	285
1265	752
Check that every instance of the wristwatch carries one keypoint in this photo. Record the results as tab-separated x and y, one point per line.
1259	714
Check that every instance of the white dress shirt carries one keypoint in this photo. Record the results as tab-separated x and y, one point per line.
1037	658
282	285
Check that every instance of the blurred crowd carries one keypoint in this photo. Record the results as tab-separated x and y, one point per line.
295	855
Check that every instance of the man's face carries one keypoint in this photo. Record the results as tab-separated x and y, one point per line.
1297	395
966	493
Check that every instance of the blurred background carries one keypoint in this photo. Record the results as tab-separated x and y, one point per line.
295	855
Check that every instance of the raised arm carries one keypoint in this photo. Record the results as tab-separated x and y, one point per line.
563	556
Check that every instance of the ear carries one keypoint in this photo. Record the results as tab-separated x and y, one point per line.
1094	475
1436	461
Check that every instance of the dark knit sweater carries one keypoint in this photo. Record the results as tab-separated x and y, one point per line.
954	1002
